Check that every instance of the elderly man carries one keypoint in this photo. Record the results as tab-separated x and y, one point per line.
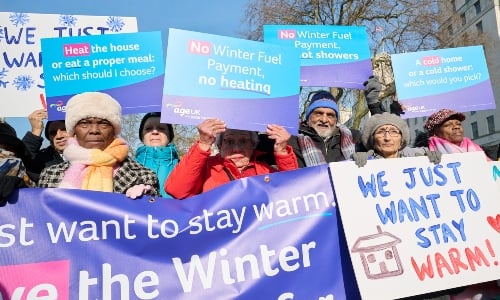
322	139
198	171
96	159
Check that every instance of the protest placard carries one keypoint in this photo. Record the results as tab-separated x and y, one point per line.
21	75
454	78
337	56
260	237
247	84
415	227
127	66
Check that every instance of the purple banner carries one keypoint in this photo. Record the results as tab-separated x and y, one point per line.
263	237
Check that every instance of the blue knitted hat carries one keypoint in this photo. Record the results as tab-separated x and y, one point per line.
322	99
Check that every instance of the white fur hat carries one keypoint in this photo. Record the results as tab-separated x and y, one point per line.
93	105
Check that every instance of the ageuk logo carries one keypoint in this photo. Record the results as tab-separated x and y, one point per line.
59	106
46	280
287	34
183	112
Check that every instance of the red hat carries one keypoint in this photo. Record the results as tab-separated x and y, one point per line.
436	119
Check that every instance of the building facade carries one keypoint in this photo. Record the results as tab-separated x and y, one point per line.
469	22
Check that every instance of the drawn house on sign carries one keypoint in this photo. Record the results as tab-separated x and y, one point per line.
379	254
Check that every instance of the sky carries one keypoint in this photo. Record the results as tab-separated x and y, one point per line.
220	17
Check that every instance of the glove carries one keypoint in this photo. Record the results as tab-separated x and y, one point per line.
434	156
137	191
372	90
360	158
7	185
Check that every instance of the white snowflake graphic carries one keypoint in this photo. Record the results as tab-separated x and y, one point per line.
68	20
23	82
19	19
115	23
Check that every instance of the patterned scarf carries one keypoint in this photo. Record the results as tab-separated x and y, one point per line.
313	156
161	160
444	146
311	153
10	165
346	142
92	169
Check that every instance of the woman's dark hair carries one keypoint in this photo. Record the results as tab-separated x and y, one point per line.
155	114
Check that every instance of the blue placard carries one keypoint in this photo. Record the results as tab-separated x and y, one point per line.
261	237
337	56
243	82
21	76
129	67
454	78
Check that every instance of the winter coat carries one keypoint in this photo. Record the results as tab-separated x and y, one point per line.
198	171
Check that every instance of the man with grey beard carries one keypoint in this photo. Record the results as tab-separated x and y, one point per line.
321	138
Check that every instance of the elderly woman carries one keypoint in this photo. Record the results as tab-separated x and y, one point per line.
386	136
96	158
198	171
158	152
447	133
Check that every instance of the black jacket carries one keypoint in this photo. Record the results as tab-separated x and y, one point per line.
331	148
42	158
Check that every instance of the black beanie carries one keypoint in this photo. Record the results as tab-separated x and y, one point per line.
155	114
8	137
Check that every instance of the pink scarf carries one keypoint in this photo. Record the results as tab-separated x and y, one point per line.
445	147
92	169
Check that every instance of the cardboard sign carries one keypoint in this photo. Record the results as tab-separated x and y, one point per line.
21	76
414	227
247	84
128	66
454	78
334	56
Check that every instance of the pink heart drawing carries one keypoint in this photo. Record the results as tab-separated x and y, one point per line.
494	222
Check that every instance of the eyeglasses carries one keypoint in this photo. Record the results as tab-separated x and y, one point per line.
243	143
391	132
101	123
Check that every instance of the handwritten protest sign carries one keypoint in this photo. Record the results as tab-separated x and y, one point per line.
455	78
261	237
336	56
495	168
128	66
247	84
415	227
21	76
